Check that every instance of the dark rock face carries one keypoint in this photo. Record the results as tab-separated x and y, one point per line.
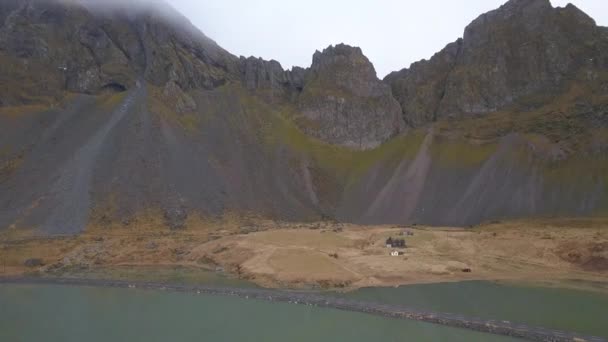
180	53
269	78
344	103
341	99
525	48
421	88
67	47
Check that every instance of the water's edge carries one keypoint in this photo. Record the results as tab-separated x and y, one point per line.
505	328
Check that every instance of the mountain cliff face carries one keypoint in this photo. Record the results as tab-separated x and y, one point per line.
339	99
114	116
269	79
526	53
344	103
50	47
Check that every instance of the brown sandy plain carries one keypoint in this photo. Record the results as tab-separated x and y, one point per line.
326	254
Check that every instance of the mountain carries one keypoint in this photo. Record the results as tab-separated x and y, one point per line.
344	103
51	47
522	55
118	116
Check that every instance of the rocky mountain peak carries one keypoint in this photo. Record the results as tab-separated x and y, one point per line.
528	12
344	103
333	54
525	48
340	99
516	7
346	67
79	46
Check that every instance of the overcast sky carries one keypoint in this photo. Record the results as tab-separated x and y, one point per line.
392	33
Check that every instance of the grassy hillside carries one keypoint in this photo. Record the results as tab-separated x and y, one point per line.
577	120
273	126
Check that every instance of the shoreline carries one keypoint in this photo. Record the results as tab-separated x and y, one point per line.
138	273
504	328
328	256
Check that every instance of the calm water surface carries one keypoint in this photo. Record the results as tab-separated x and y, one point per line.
563	309
59	313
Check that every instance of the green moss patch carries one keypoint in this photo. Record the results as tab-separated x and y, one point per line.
565	119
460	152
158	104
333	167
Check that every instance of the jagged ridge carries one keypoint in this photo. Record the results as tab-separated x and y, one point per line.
122	116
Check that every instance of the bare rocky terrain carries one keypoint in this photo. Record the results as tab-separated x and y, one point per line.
109	114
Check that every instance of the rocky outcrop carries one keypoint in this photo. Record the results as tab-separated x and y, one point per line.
176	51
421	88
341	100
523	54
269	78
52	47
173	93
344	103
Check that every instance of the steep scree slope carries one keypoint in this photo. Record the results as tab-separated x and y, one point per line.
112	116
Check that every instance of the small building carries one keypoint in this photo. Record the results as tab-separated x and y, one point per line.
395	243
394	253
389	242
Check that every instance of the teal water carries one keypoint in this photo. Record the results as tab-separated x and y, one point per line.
562	309
66	314
61	313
